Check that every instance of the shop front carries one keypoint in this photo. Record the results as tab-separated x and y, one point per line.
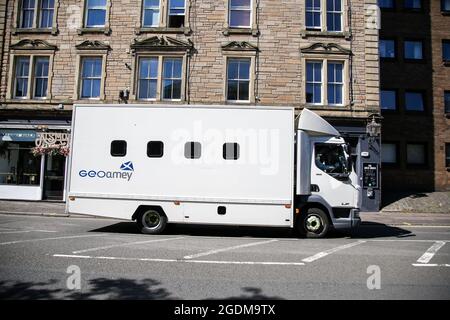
33	163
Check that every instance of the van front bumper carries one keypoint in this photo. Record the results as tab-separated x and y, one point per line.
353	221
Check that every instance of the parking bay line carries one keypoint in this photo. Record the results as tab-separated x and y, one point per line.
55	238
431	265
207	253
330	251
125	244
181	260
429	254
26	231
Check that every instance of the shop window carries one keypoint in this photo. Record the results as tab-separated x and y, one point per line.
231	151
192	150
18	166
155	149
118	148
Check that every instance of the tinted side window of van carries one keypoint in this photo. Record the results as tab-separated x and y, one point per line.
118	148
192	150
231	151
155	149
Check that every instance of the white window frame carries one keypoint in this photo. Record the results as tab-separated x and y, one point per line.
318	28
323	18
41	9
172	79
341	15
336	83
86	12
315	82
138	78
239	8
90	78
250	79
324	91
134	95
144	8
35	77
11	93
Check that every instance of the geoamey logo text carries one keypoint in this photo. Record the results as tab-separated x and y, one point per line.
126	172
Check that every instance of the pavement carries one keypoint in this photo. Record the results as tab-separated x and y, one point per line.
416	202
46	257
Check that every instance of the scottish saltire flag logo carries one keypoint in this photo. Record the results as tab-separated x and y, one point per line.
127	166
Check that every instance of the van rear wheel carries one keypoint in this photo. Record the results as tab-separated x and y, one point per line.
151	221
314	224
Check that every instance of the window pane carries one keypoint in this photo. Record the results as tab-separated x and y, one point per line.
243	90
27	13
192	150
445	5
118	148
232	90
386	3
240	18
414	101
176	89
96	3
96	17
41	77
387	48
231	151
415	154
21	74
413	4
388	100
41	67
388	153
151	18
447	101
155	149
233	69
446	50
413	50
240	3
447	155
18	165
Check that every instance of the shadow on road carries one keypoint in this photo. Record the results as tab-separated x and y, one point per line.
103	288
366	230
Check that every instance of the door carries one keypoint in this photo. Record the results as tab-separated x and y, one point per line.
54	169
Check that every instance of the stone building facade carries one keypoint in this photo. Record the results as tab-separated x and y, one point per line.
129	53
415	77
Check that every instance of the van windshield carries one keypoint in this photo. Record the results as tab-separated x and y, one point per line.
332	159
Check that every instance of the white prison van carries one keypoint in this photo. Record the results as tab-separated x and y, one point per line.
225	165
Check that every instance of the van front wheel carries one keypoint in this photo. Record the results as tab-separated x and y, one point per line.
314	223
151	221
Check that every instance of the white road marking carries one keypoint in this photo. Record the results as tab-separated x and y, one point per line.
182	261
404	240
25	231
275	263
430	265
56	238
207	253
125	244
429	254
330	251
